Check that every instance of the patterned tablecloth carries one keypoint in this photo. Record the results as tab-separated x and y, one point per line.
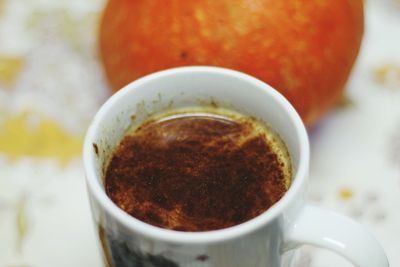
51	84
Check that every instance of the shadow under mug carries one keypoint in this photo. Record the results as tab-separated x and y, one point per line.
261	241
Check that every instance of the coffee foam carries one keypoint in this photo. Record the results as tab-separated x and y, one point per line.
157	210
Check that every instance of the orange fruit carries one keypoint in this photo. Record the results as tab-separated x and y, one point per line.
303	48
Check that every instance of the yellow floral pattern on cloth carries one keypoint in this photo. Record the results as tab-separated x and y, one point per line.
30	134
10	67
388	75
51	85
345	194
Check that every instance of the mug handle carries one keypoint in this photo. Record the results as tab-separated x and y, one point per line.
327	229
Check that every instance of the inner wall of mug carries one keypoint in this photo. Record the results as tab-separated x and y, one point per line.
188	87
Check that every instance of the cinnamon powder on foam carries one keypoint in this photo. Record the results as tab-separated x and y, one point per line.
198	171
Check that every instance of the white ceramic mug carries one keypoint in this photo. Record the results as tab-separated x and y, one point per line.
261	241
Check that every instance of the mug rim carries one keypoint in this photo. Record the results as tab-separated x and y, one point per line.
167	235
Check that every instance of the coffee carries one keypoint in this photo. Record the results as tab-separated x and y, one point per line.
198	169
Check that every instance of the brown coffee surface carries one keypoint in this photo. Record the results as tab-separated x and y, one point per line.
196	172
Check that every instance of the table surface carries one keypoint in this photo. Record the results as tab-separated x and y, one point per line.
44	213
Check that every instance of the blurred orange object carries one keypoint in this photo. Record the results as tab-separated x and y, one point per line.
303	48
